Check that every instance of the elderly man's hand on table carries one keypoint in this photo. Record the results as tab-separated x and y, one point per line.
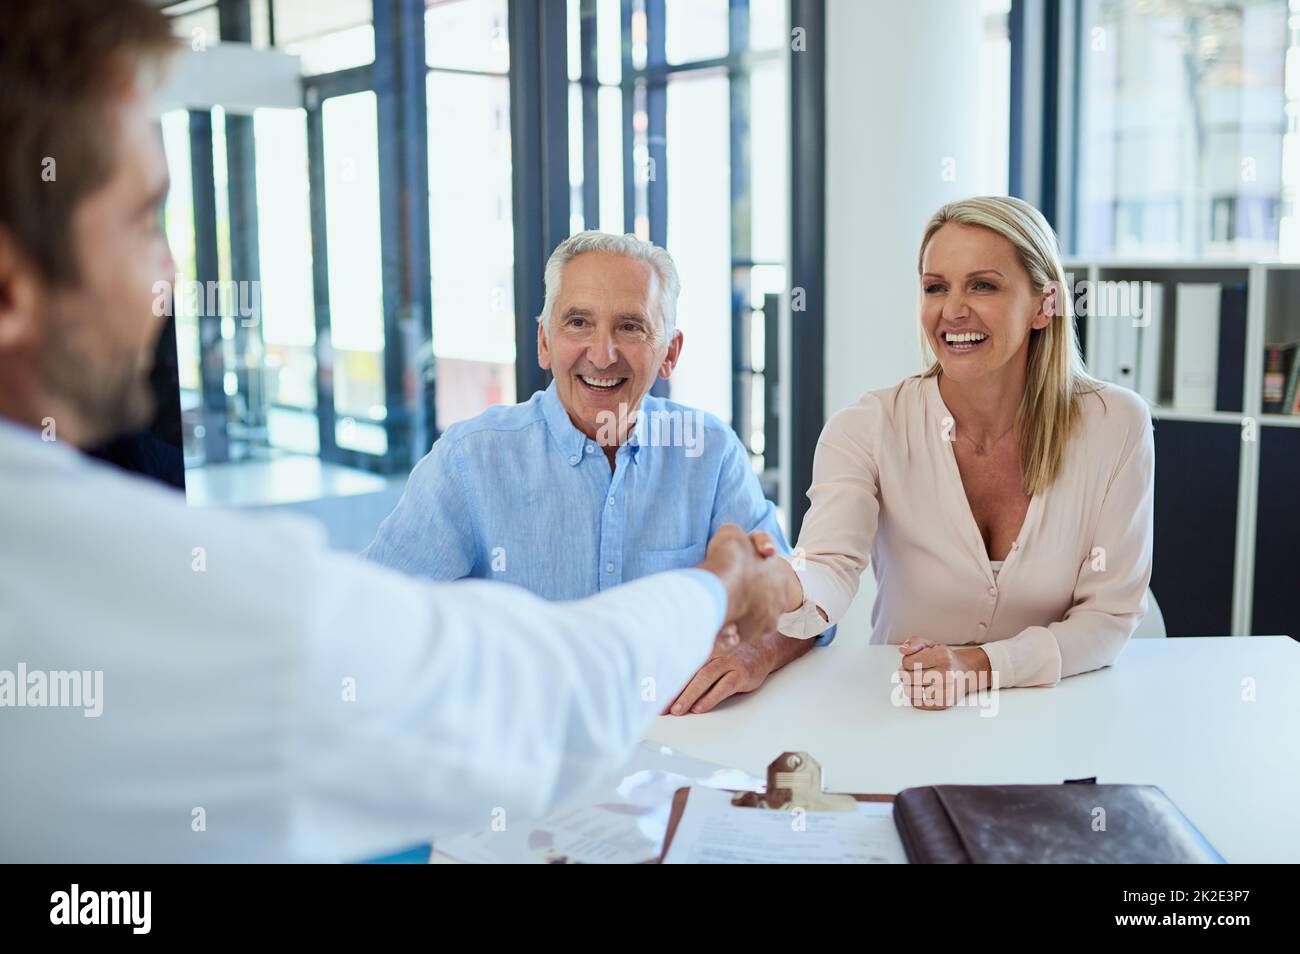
749	647
741	669
936	676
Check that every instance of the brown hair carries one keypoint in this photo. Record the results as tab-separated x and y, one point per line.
62	63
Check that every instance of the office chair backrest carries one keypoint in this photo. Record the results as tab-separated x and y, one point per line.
1153	624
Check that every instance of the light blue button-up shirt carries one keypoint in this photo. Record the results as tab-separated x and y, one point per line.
519	494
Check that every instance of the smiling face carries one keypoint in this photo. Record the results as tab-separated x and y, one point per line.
978	303
606	342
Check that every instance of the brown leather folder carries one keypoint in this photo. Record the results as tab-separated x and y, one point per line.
1073	823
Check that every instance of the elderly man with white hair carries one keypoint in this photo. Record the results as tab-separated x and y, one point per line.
594	481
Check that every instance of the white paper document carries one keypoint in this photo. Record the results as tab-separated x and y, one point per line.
713	831
622	822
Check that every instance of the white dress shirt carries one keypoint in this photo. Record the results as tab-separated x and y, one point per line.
265	698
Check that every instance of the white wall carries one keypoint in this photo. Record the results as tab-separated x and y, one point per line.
903	136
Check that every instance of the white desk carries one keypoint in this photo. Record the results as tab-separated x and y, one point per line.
1170	712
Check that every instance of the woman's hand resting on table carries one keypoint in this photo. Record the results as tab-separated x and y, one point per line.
936	676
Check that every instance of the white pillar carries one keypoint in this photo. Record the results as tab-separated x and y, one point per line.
902	137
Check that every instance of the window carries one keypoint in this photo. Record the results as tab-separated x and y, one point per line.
696	30
288	316
1180	127
470	206
255	195
699	237
995	98
595	44
301	201
689	106
329	35
469	35
1289	227
356	291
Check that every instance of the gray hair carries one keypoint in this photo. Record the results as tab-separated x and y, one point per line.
631	246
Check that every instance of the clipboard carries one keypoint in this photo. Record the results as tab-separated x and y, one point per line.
794	780
949	824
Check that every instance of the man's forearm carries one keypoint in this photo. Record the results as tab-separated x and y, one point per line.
786	649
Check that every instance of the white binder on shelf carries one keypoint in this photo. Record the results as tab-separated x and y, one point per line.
1126	351
1149	341
1196	346
1102	347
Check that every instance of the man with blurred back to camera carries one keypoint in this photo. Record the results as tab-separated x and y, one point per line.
185	685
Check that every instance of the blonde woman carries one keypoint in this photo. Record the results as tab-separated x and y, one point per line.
1003	497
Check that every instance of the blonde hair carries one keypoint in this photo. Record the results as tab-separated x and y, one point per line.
1056	377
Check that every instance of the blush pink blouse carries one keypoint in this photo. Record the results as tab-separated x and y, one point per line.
886	491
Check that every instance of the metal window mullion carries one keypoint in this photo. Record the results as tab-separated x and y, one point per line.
628	82
738	124
245	266
539	146
355	79
212	362
807	249
329	449
235	23
590	86
771	383
400	76
744	62
1069	84
657	124
1034	28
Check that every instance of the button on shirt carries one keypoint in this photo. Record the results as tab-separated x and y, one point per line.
887	491
519	494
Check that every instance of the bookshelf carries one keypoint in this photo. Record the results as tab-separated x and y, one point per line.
1227	521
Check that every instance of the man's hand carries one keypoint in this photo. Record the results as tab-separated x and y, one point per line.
737	670
793	587
936	676
754	580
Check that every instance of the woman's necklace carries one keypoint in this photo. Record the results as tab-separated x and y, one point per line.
982	451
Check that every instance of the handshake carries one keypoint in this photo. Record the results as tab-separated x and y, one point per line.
758	583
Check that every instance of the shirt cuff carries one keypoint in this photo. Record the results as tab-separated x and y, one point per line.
1030	658
715	588
803	623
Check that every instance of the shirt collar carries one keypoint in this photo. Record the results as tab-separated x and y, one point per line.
22	441
934	398
571	442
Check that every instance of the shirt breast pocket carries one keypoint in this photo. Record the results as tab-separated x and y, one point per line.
659	561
